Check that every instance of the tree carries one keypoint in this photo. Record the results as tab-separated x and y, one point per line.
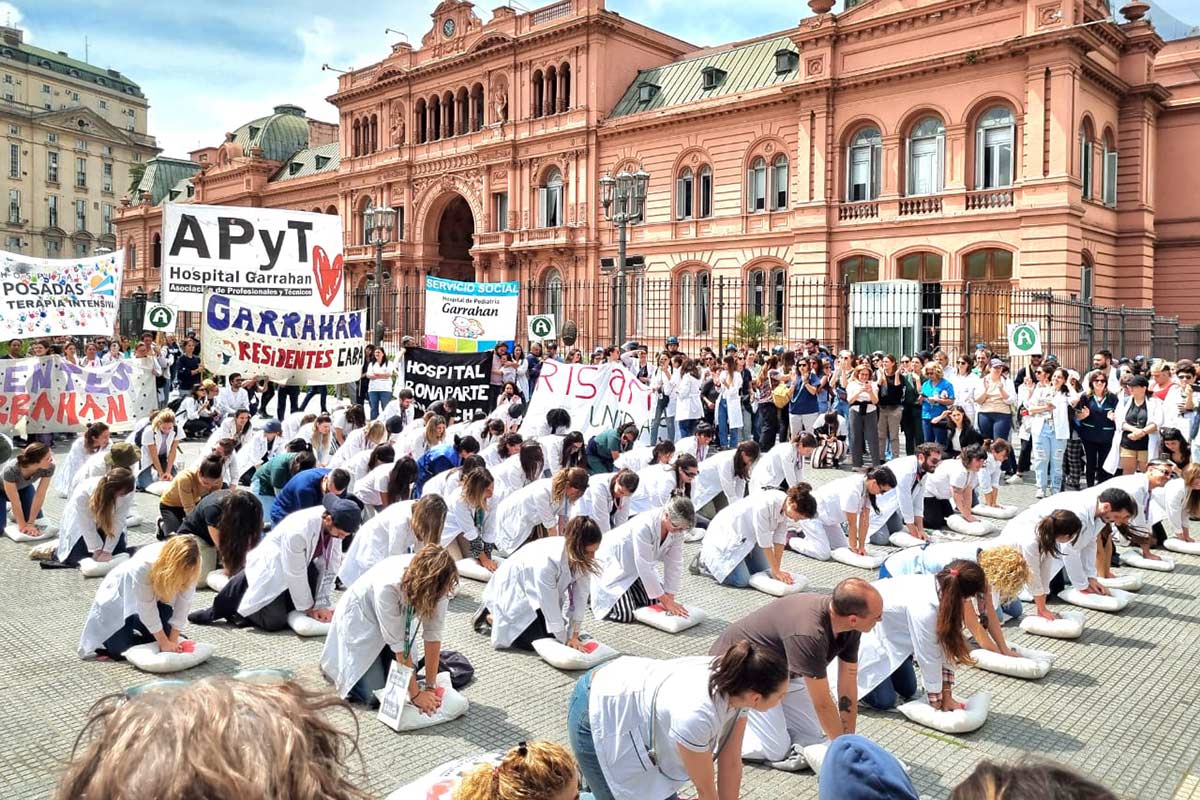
754	329
136	171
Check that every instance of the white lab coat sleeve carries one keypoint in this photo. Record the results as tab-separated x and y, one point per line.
389	612
927	650
147	605
1074	561
294	554
644	558
673	564
767	528
181	606
910	500
851	502
544	509
435	624
1041	567
87	523
579	592
550	600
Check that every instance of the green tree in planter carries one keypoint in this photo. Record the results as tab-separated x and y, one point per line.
754	329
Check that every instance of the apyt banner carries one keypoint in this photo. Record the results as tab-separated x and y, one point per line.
469	317
52	395
293	257
59	296
597	398
463	377
283	346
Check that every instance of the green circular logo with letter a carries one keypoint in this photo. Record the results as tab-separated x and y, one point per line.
540	327
1024	338
161	317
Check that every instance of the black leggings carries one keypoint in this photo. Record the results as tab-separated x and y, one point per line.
936	512
172	518
271	617
1094	454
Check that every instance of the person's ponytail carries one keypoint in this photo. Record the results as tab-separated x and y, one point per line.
747	667
530	771
958	582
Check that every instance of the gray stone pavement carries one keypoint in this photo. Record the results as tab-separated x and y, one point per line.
1119	703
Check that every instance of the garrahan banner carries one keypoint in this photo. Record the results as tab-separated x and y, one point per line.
264	254
435	376
52	395
289	347
59	296
469	317
597	398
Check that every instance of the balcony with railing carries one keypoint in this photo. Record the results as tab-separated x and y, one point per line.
852	212
919	206
991	199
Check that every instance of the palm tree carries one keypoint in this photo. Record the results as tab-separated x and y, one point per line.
754	329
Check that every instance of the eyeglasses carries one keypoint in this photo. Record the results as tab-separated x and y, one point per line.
691	473
1099	380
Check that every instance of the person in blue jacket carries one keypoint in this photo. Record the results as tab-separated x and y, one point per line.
307	489
437	460
855	768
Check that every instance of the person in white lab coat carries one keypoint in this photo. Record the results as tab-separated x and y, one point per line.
144	600
998	451
847	501
923	617
1140	486
517	472
658	483
446	482
292	569
1043	544
1136	440
725	477
607	499
1175	505
750	535
501	448
629	559
386	483
524	600
699	444
257	449
642	728
644	455
395	531
359	440
94	519
468	531
904	506
95	439
546	503
951	488
1004	569
160	445
688	409
376	622
783	465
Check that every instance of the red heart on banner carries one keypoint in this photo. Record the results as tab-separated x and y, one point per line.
328	276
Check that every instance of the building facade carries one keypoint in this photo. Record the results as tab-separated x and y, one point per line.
73	133
961	150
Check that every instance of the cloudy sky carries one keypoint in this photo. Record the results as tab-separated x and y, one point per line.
209	67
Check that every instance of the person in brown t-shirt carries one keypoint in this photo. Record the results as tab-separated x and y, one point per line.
811	630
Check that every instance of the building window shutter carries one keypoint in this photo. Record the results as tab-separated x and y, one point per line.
980	155
543	205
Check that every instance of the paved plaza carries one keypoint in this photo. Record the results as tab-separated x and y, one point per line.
1119	704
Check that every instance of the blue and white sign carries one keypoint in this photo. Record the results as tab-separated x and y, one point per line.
465	317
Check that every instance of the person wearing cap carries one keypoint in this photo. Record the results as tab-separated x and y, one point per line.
1138	417
672	345
292	569
994	397
257	449
120	454
307	489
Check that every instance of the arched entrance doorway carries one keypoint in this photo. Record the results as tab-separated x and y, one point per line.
456	237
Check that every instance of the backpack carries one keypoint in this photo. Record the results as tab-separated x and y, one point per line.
454	662
829	454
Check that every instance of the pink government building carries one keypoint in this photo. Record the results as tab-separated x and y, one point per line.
939	166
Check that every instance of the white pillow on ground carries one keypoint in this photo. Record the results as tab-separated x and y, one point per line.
905	539
1129	582
1069	625
765	583
959	524
304	625
1024	666
850	558
1025	596
216	580
814	754
454	705
964	720
557	654
134	520
1116	601
147	658
45	533
1135	559
91	568
470	568
656	617
995	512
694	535
1176	545
158	488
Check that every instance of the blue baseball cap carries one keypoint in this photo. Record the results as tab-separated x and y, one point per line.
672	340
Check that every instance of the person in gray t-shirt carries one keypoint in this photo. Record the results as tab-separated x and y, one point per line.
33	465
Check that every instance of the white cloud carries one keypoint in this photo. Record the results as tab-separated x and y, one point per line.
11	16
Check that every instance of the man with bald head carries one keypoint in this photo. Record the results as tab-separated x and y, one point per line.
810	631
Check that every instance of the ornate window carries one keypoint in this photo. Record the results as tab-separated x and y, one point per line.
858	269
684	197
863	159
756	186
926	145
552	294
995	134
550	200
1085	157
706	192
1109	179
779	183
695	295
990	264
923	267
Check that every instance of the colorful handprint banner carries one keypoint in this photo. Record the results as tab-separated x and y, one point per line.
270	256
465	317
59	296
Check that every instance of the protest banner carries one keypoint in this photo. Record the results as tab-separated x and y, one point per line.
289	347
469	317
59	296
160	317
52	395
294	257
435	376
597	398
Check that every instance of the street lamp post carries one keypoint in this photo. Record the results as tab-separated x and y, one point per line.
379	223
624	201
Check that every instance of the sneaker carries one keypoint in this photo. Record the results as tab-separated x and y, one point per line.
479	621
1039	494
698	568
794	761
1014	479
201	617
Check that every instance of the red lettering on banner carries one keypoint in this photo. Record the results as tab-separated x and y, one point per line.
91	410
549	370
117	411
66	409
42	409
616	384
586	372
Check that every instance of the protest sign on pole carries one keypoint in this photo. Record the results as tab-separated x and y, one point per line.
597	398
52	395
469	317
542	328
59	296
159	317
1024	339
291	257
434	376
291	347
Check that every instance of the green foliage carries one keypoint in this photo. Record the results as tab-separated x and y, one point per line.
754	329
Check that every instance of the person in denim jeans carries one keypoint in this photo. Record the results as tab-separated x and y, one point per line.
994	398
1050	407
937	394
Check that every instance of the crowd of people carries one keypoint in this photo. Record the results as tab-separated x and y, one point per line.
365	516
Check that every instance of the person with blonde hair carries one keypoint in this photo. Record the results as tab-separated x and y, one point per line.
377	621
321	440
95	439
529	771
396	530
546	502
524	600
144	600
160	446
93	522
359	440
215	737
430	433
1177	503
